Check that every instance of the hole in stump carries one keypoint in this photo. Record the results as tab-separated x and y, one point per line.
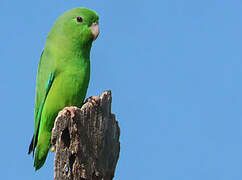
72	160
65	137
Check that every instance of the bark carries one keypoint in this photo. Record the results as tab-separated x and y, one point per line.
86	141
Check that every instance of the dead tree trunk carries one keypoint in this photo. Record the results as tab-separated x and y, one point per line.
86	141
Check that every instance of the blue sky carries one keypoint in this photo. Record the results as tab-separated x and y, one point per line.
175	71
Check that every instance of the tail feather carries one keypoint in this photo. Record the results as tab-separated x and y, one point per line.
42	149
31	146
39	158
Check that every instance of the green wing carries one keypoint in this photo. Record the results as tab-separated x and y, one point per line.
45	79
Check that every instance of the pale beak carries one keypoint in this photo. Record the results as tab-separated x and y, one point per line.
95	30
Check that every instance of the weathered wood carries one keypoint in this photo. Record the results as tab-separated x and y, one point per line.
86	141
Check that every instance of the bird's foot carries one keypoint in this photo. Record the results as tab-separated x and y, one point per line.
93	99
52	149
71	110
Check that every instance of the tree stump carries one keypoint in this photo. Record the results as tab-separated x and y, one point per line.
86	141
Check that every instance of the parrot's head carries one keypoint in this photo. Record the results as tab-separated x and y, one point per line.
77	26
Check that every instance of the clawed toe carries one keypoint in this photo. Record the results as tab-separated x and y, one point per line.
71	110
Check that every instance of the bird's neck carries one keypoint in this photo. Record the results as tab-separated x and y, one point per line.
69	49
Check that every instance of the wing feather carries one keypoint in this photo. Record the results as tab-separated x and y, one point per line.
45	79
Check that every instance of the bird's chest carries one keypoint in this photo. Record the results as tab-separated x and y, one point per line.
72	86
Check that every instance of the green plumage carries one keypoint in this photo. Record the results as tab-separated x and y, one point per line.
63	74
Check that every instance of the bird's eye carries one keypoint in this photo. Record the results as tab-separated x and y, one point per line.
79	19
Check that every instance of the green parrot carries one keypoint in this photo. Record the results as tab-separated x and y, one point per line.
63	74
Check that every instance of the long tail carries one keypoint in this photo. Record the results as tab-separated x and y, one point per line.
40	152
